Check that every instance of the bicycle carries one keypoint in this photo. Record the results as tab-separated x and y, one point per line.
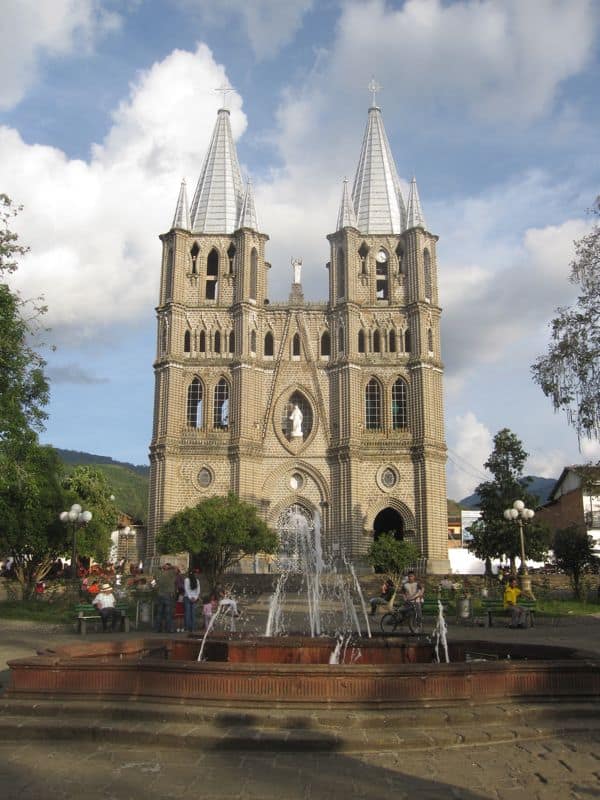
409	613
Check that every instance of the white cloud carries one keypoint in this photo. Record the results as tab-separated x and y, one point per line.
469	445
93	227
35	29
501	59
269	24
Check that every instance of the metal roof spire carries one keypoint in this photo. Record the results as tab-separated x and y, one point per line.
182	212
346	215
414	213
248	212
218	197
376	194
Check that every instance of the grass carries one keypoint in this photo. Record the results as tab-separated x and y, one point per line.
564	607
58	613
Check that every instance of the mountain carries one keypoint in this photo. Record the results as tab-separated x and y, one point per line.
540	487
129	482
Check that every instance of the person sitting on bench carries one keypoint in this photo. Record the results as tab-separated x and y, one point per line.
511	601
105	603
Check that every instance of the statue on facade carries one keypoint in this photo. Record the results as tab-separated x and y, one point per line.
297	265
296	420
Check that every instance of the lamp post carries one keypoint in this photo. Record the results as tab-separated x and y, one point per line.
519	514
77	518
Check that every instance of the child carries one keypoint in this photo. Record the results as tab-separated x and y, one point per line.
207	611
179	614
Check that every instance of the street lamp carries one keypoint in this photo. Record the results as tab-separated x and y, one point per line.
519	514
77	518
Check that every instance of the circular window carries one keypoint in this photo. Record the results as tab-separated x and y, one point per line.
296	482
204	478
388	478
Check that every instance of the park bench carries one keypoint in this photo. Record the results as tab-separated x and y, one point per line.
494	607
86	612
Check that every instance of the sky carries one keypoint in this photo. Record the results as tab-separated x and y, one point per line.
494	106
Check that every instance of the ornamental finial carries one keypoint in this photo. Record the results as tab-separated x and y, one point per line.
225	88
374	87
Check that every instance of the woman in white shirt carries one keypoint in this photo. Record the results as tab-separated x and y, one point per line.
191	594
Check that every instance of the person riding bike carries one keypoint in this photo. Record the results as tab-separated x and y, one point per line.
412	594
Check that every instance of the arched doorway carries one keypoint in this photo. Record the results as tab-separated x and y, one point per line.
388	521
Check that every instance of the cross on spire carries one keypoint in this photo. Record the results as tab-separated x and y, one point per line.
374	87
225	88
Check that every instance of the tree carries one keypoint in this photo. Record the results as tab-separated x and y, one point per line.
90	488
392	556
219	531
29	507
569	373
493	536
573	553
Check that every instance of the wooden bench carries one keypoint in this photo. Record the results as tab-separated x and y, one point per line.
85	612
494	607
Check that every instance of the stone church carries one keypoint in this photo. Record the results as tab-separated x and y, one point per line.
333	410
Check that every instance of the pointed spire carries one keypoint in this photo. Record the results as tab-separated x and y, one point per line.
346	216
376	195
248	212
182	212
414	212
218	197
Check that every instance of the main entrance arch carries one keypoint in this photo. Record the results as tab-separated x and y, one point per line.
388	521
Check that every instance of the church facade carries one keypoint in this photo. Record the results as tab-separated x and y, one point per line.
333	410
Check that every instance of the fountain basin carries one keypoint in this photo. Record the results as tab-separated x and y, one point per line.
294	671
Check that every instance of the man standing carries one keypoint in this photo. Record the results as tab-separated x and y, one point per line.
165	599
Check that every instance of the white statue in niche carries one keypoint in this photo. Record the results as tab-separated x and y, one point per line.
296	420
297	265
225	413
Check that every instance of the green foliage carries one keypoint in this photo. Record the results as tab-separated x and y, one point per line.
493	536
569	373
129	487
89	487
392	556
218	531
573	553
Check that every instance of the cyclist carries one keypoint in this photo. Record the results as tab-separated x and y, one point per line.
412	594
387	593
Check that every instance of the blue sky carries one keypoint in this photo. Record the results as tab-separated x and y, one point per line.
492	104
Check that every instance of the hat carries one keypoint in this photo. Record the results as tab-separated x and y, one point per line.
106	587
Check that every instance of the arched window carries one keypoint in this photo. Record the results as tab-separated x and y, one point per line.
373	406
430	340
399	405
341	273
325	344
230	257
212	274
253	341
427	273
341	339
392	341
400	257
407	343
381	274
269	344
296	345
221	405
361	341
195	394
231	342
187	342
253	273
363	252
169	273
376	342
194	256
164	337
217	342
202	342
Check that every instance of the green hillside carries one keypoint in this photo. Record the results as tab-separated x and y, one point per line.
129	483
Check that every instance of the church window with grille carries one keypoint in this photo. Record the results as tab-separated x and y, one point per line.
253	342
407	341
430	341
325	344
341	339
376	342
253	273
212	274
296	345
221	405
399	405
427	274
202	342
363	252
217	342
400	257
341	273
194	256
195	395
373	406
169	274
269	344
230	257
392	342
187	342
231	342
381	274
361	341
